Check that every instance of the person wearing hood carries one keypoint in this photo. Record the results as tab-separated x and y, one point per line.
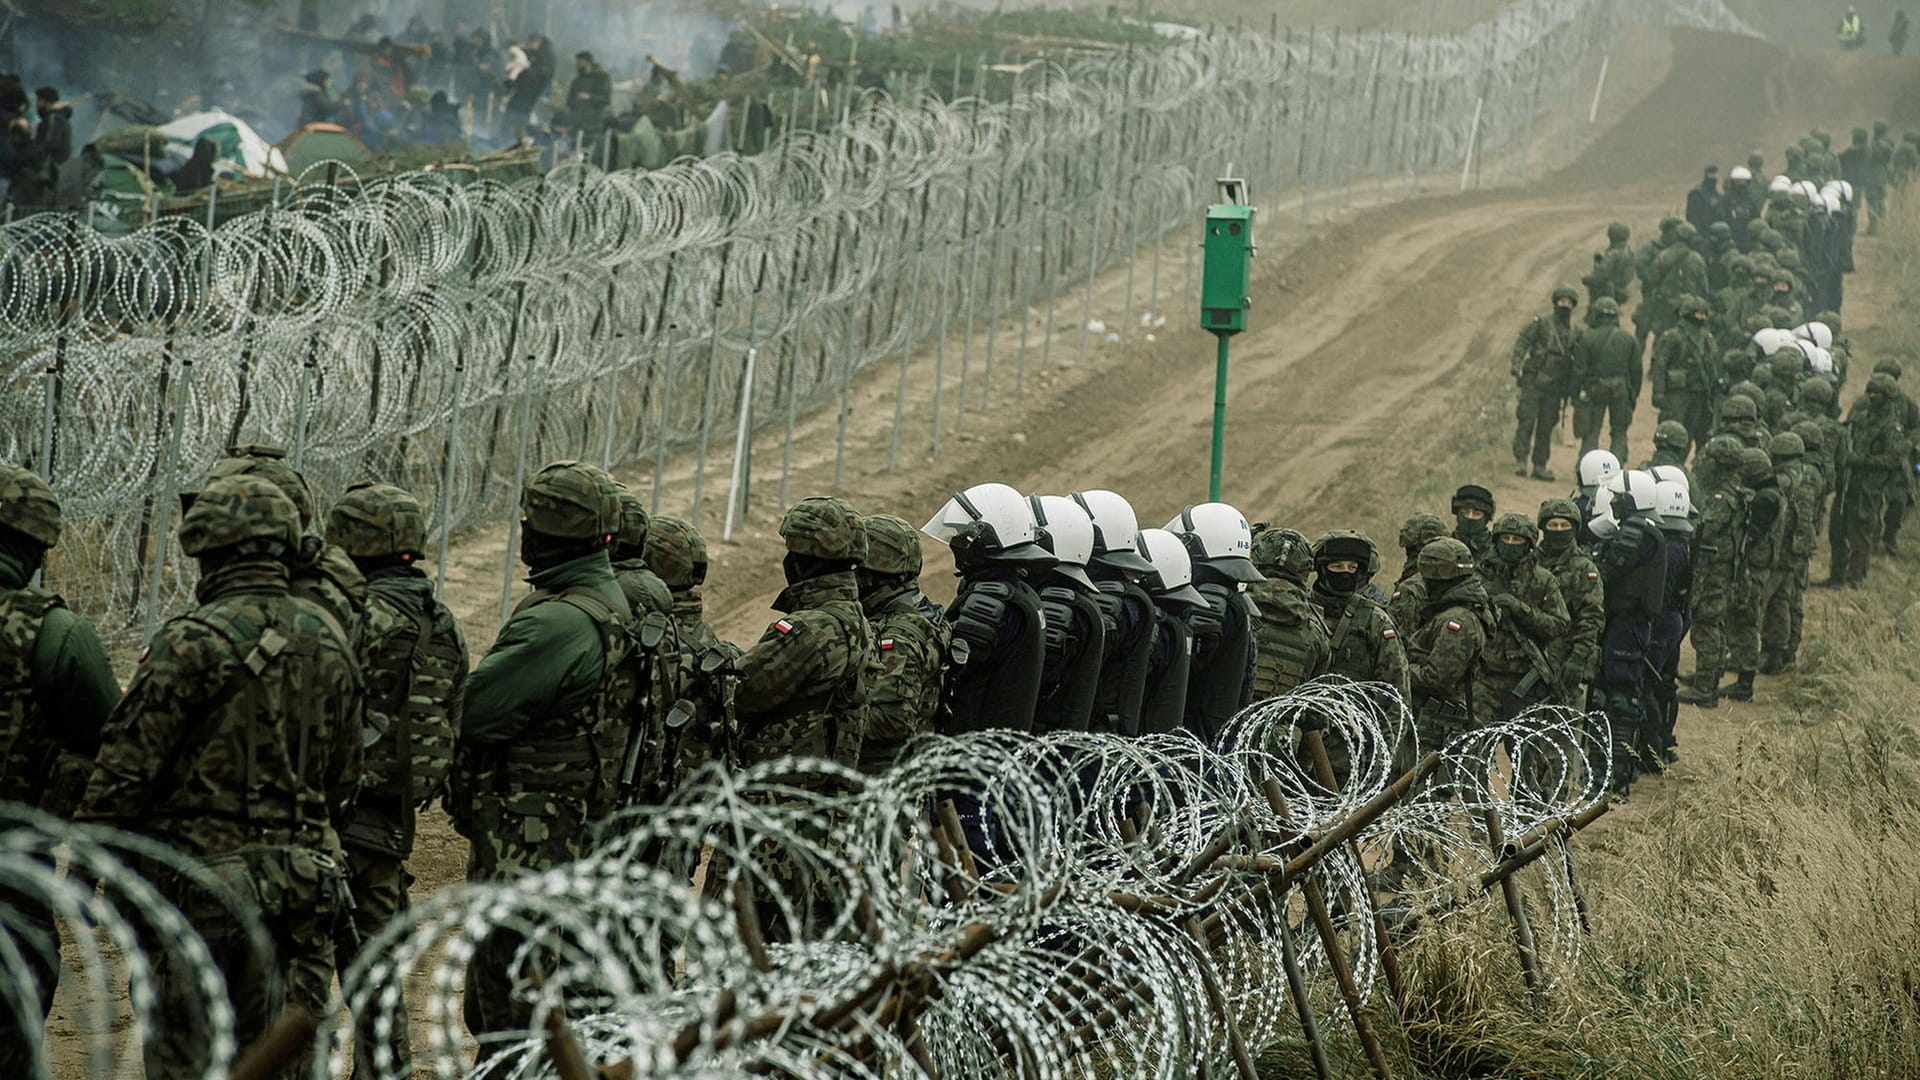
1704	201
1542	368
1363	641
1220	543
316	101
1514	673
1446	644
54	135
1574	655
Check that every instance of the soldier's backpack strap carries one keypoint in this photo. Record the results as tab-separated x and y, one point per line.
260	655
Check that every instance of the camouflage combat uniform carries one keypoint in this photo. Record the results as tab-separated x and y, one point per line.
1445	646
1574	655
1719	549
1606	376
415	663
1879	448
238	744
678	554
1684	376
1529	614
1542	366
910	633
1799	485
56	691
1292	639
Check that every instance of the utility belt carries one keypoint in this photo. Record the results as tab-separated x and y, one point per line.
1439	708
379	825
273	879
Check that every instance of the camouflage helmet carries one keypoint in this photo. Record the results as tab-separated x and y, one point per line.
1787	365
241	509
1889	366
1739	407
1784	276
1685	231
893	545
1515	524
1755	323
1687	304
1832	319
1786	445
1283	553
1789	261
1558	508
1421	529
571	500
1812	439
1884	385
1814	390
28	505
1740	266
676	552
1567	294
1670	223
1671	435
1720	230
1445	559
1618	232
634	522
1750	390
1722	452
374	520
824	527
1607	307
269	463
1780	318
1755	463
1342	544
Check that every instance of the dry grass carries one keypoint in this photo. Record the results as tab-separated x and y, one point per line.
1757	913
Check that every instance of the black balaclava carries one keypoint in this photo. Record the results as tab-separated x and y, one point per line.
542	552
1511	554
1558	543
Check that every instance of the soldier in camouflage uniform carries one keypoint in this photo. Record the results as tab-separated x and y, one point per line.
1900	494
1292	639
1762	548
1363	642
804	686
322	572
1671	440
1740	418
911	635
1472	509
1677	271
1606	376
1879	457
1574	655
1799	485
678	554
1529	614
646	594
1444	649
546	717
1409	591
1684	372
56	690
1719	548
415	664
1613	274
1542	367
238	744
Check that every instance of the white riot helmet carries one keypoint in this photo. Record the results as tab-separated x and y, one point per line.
988	523
1779	183
1169	574
1808	190
1772	340
1674	506
1597	467
1817	332
1600	520
1834	205
1819	359
1067	531
1633	492
1218	535
1740	172
1115	530
1846	191
1672	474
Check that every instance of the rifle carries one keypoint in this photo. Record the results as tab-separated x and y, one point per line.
633	787
1539	671
721	677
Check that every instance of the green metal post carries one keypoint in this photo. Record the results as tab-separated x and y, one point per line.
1219	418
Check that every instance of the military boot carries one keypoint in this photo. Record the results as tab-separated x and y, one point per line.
1772	664
1741	689
1541	472
1702	691
1519	466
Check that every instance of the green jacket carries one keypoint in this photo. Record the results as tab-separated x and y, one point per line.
1293	640
1576	653
1364	643
1683	362
1876	440
548	659
1529	610
1445	648
1543	354
1801	486
57	692
242	726
1607	354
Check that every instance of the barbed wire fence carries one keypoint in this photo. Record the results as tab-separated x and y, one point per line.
450	337
1143	908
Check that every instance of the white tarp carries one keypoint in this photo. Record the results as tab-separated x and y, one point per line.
242	151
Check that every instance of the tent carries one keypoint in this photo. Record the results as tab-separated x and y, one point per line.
316	143
242	151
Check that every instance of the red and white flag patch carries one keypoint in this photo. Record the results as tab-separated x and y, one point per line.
1388	634
886	644
785	626
1454	626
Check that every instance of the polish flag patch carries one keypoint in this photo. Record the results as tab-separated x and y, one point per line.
1593	575
886	645
784	626
1388	634
1454	626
